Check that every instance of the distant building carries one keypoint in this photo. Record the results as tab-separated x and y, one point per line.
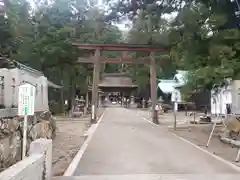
168	86
221	100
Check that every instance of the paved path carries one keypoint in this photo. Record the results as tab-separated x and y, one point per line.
125	144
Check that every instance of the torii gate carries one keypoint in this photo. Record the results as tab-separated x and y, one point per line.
96	59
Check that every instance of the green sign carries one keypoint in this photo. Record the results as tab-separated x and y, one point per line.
25	110
26	99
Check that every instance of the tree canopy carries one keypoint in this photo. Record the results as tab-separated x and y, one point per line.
41	34
204	36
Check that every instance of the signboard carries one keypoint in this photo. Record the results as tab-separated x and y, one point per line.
26	99
176	96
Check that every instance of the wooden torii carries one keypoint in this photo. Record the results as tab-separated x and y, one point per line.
96	59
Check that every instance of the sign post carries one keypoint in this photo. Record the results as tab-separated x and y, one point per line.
26	101
175	99
175	114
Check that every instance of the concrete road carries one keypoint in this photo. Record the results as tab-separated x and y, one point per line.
125	144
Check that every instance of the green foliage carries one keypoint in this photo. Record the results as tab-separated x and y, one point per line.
203	47
131	8
41	37
147	29
5	37
204	36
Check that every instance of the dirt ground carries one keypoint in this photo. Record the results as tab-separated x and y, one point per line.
199	136
69	139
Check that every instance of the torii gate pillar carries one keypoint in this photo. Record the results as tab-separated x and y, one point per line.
153	83
96	71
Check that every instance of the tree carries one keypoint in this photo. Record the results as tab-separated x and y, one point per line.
206	43
14	22
133	7
146	29
41	37
5	37
204	36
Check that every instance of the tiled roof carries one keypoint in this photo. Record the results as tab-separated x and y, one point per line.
9	64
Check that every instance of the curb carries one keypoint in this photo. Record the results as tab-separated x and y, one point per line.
76	160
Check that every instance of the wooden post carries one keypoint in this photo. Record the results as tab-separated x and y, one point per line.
175	105
95	86
153	77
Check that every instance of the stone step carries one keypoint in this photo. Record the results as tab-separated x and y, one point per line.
152	177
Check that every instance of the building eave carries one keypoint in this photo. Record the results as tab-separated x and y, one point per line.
53	85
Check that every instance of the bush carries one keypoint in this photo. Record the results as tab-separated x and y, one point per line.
55	107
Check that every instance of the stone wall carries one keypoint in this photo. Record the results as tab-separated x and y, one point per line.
42	125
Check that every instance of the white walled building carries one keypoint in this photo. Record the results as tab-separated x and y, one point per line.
226	96
11	78
221	99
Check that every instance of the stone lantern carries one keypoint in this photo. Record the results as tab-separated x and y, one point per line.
160	104
143	103
149	102
160	100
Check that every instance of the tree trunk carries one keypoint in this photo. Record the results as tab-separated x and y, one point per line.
72	89
42	67
73	92
62	91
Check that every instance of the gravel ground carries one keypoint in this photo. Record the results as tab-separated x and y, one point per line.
199	136
69	139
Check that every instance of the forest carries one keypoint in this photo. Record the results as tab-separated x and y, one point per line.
203	36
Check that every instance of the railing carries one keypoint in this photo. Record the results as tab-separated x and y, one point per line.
37	166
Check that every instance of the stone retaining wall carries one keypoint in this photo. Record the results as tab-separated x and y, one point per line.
42	125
